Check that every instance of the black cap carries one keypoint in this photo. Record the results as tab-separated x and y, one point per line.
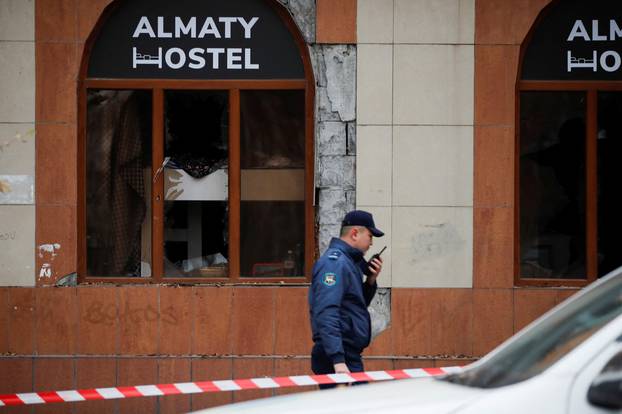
361	218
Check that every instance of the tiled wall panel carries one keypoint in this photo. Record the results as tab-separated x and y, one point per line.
374	21
432	247
434	21
374	84
336	21
374	156
433	166
433	85
96	373
17	238
420	54
17	142
17	79
17	21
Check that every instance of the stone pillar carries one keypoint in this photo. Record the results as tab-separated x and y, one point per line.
334	68
335	136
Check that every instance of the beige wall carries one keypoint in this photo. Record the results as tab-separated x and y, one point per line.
415	83
17	143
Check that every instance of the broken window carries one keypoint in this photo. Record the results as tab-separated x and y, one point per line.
118	175
196	183
184	171
197	151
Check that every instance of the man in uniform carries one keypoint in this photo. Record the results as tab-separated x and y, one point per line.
338	297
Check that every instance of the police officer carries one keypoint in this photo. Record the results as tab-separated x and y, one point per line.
338	297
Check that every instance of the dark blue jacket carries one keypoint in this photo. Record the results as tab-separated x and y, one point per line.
338	300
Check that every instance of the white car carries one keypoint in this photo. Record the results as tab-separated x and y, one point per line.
567	361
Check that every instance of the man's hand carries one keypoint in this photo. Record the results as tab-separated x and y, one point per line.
341	368
375	268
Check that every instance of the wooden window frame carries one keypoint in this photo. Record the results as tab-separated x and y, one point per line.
591	89
233	86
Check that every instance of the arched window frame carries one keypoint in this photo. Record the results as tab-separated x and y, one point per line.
233	86
591	89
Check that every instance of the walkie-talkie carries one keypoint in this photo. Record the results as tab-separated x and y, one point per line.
367	270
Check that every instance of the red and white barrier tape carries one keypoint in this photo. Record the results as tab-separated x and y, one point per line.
216	386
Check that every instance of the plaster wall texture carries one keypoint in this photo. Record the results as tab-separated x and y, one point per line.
415	106
17	142
303	12
335	135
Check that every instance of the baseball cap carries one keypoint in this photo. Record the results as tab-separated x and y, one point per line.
361	218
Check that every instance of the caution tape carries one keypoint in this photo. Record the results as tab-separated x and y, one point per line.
215	386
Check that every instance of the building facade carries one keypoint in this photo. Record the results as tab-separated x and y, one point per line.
168	173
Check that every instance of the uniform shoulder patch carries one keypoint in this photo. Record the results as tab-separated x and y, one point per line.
334	255
329	279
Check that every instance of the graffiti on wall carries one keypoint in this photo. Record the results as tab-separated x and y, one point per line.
7	235
47	252
100	313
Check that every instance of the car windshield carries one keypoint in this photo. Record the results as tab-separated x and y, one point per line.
542	345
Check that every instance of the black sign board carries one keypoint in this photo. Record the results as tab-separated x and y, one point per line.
195	39
576	40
